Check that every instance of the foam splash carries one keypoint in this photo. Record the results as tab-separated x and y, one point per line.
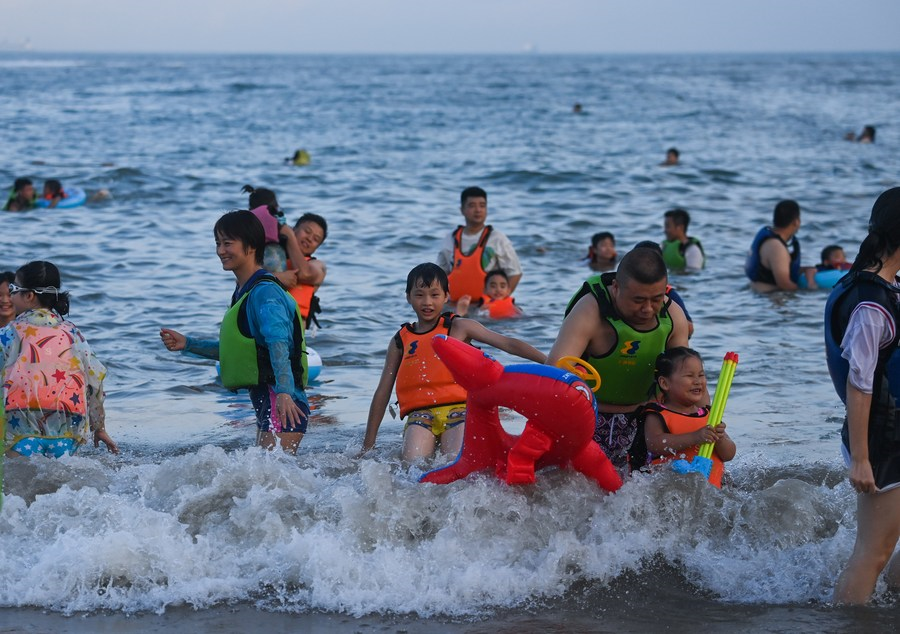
328	532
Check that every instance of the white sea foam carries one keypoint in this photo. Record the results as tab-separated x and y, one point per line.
326	532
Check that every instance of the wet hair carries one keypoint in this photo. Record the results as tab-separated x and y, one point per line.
884	232
260	196
54	186
425	275
786	212
680	217
244	226
673	150
649	244
316	218
471	192
43	278
672	359
490	274
828	251
600	236
21	183
868	133
643	265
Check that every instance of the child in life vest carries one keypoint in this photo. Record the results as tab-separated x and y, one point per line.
53	191
496	302
834	259
56	413
433	404
676	426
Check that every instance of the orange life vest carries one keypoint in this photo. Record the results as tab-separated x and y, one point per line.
678	423
500	308
423	380
467	275
302	293
46	375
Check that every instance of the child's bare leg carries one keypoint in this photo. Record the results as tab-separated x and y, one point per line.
452	440
418	443
289	441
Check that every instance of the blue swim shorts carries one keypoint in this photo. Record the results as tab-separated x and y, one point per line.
263	399
51	447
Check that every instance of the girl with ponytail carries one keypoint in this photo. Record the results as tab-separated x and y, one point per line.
862	333
52	382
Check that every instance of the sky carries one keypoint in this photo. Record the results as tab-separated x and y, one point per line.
449	26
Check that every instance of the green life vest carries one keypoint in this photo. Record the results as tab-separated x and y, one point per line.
627	369
244	361
673	252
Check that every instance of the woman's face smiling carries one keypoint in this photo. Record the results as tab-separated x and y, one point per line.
7	310
22	299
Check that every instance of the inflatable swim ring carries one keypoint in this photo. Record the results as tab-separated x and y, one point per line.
824	279
314	363
75	197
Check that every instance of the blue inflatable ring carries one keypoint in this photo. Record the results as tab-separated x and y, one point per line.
75	197
824	279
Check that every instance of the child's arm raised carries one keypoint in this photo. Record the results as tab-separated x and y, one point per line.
469	329
382	395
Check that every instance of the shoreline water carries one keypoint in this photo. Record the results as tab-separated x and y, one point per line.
616	609
189	515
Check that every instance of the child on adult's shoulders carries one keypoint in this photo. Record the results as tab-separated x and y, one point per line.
281	244
602	254
433	404
497	301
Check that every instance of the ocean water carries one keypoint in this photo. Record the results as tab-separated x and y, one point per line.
190	515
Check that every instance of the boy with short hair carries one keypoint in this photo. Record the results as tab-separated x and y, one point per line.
261	344
432	402
680	251
470	251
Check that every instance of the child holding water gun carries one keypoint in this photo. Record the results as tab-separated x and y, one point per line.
677	425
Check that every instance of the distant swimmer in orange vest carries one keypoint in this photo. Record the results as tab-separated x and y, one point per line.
470	251
496	302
